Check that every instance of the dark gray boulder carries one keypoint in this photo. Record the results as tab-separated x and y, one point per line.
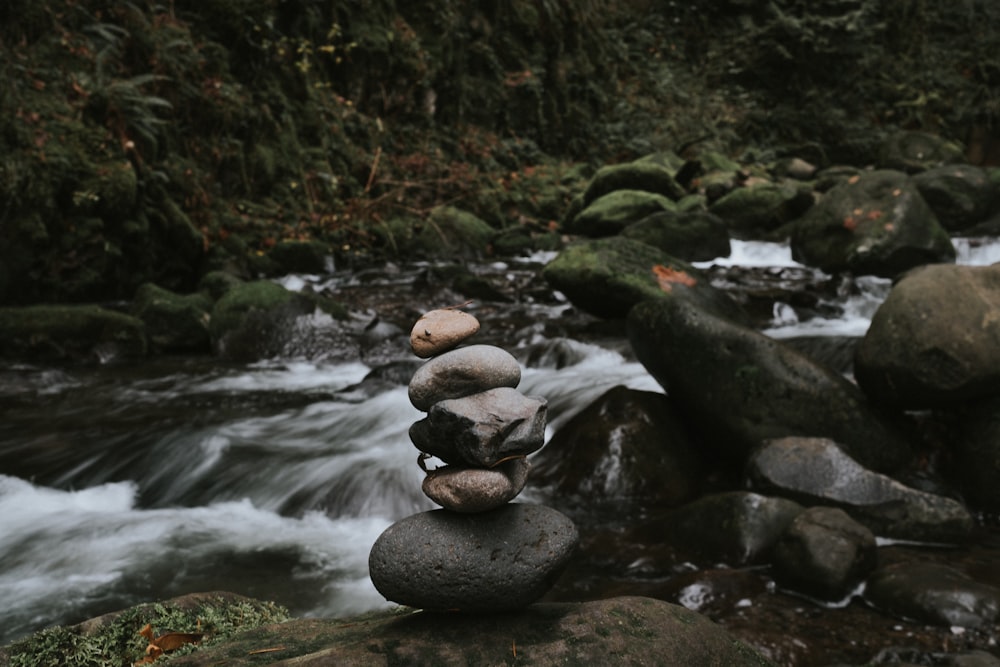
487	562
461	372
606	277
914	152
933	593
738	387
876	223
975	466
818	471
627	447
824	554
482	429
752	212
935	340
734	527
960	195
692	236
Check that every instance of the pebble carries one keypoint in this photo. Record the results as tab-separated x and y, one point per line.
476	489
482	429
500	560
461	372
440	330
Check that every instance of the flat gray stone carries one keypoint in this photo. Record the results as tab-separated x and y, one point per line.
818	471
933	593
476	489
486	562
461	372
440	330
482	429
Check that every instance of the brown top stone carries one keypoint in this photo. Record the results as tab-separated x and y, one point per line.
440	330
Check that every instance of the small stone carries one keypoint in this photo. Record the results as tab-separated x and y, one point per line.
462	372
476	489
441	330
482	429
500	560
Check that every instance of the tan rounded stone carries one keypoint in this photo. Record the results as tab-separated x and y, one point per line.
440	330
471	490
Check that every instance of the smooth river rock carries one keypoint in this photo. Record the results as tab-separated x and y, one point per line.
440	330
482	429
462	489
933	593
500	560
461	372
817	471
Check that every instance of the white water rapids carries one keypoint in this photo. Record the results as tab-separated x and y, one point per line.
153	498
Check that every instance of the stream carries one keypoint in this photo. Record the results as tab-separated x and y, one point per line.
128	482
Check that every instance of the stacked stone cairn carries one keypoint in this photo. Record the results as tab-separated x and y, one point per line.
480	553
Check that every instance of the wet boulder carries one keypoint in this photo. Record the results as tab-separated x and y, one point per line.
960	195
734	527
876	224
914	152
824	554
817	471
933	593
627	447
646	175
261	319
752	212
611	213
693	236
740	388
606	277
70	332
174	322
935	341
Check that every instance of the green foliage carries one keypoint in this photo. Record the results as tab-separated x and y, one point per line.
117	642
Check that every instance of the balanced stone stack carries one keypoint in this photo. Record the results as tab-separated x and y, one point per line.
481	552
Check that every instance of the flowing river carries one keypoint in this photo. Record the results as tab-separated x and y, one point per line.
129	482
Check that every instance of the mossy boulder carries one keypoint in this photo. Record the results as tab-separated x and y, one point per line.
611	213
174	322
450	232
645	175
57	332
959	194
606	277
914	152
755	211
312	257
694	237
876	224
258	320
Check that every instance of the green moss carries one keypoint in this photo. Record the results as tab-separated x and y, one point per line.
117	641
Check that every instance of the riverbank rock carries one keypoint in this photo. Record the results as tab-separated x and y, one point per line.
818	471
824	554
960	195
451	232
914	152
627	447
739	388
482	429
462	372
933	593
606	277
876	224
486	562
693	236
647	174
174	322
70	332
935	340
611	213
753	212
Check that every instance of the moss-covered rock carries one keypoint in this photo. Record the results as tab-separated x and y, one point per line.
694	237
311	257
174	322
753	212
611	213
606	277
914	152
645	175
960	195
449	231
70	332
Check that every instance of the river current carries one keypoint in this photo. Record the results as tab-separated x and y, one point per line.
124	483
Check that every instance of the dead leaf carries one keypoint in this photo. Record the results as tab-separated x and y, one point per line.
170	641
666	277
850	223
